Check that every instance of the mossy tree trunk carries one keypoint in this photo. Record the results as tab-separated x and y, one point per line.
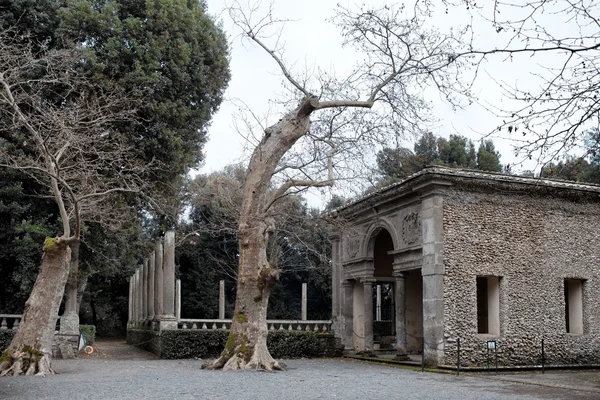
247	343
30	351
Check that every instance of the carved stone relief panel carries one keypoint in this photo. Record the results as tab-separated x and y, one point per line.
411	228
352	240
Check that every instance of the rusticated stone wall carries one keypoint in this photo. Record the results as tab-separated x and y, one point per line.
533	241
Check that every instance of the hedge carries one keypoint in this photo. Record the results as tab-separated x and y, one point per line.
196	343
89	331
6	337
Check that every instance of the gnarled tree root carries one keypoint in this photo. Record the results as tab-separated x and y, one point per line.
26	363
260	360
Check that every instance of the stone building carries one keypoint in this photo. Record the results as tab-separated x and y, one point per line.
460	254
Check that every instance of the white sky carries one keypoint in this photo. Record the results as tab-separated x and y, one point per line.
312	41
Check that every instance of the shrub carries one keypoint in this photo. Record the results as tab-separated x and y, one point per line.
6	337
90	333
192	343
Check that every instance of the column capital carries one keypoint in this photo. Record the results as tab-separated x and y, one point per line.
347	283
368	281
399	275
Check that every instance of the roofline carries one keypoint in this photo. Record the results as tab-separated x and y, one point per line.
469	173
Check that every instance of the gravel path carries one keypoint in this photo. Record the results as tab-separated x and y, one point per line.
127	374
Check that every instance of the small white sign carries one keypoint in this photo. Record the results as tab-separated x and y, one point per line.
491	344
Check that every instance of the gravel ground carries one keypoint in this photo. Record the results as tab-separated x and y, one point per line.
128	374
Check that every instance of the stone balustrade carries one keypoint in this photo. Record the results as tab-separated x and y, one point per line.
12	321
273	325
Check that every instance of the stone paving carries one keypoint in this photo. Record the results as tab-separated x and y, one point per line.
117	371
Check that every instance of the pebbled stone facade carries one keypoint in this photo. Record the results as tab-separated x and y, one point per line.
533	239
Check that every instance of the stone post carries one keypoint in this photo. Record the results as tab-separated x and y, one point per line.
140	294
368	318
378	304
304	301
347	315
178	299
129	304
145	289
400	300
336	286
151	277
168	321
133	300
138	312
222	299
158	280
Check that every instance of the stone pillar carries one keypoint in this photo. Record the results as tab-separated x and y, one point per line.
347	315
336	285
168	321
133	300
222	299
304	302
400	300
151	277
158	280
378	304
368	313
178	299
432	217
145	289
138	313
129	304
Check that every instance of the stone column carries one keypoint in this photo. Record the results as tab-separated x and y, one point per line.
169	321
336	284
400	300
432	217
378	304
138	312
178	299
222	299
347	315
129	304
304	301
151	277
145	289
158	280
368	318
133	300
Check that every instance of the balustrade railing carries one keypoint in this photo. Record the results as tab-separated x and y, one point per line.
273	325
12	321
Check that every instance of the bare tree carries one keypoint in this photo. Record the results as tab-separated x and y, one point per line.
558	43
57	127
329	125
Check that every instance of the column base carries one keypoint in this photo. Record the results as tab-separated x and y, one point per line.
166	323
69	324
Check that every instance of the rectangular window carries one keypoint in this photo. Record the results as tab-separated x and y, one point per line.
574	305
488	305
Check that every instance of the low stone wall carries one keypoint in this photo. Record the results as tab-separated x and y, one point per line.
198	343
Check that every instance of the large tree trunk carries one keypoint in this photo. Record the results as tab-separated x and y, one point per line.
30	351
247	343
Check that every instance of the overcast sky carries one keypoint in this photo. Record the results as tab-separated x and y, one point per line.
310	41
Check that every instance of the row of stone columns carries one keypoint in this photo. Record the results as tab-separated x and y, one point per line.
152	288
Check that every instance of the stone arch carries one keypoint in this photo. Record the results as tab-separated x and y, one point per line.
372	232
